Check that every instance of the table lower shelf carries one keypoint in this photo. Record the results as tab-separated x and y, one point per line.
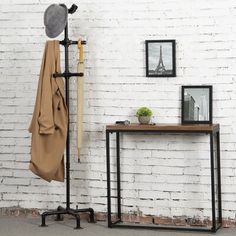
120	224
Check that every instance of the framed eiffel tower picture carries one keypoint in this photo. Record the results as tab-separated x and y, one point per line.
160	58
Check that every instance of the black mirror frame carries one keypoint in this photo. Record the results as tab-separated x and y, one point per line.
210	105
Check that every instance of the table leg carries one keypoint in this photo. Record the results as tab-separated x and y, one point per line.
212	182
219	177
108	179
118	174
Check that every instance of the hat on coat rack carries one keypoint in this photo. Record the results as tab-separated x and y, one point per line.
55	19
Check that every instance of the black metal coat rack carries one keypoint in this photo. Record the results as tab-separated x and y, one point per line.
67	74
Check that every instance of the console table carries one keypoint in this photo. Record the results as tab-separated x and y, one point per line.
213	130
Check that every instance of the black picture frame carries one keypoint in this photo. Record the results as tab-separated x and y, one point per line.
164	53
183	106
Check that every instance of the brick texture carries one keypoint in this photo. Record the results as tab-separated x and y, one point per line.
166	176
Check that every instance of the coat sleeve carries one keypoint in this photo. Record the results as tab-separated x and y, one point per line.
46	119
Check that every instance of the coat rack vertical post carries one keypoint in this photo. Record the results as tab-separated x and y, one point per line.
68	210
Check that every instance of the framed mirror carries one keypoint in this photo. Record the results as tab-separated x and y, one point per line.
196	105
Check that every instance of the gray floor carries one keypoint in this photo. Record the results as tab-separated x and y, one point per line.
17	226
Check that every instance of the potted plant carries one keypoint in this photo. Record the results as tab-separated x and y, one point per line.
144	115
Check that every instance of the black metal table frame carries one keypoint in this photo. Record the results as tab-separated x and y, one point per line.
118	223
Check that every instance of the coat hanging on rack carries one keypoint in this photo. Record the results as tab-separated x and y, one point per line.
50	119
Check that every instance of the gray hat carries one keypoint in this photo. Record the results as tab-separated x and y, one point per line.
55	19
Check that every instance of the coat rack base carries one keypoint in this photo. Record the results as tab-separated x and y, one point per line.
68	211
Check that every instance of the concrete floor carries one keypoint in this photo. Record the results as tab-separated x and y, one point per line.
17	226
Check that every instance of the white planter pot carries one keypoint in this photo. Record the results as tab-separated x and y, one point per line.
144	119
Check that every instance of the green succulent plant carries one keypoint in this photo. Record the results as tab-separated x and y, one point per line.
144	111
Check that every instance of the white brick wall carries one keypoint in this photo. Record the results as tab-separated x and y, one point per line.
161	175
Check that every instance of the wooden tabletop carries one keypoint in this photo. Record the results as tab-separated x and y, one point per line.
164	127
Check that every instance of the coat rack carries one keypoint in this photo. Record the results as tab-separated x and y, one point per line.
67	74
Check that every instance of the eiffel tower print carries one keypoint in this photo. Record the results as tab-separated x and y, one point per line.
160	69
160	58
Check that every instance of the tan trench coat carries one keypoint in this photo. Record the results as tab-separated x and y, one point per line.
50	119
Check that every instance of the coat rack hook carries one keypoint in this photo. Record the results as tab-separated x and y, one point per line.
73	9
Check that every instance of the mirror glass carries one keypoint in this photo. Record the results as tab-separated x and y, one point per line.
196	104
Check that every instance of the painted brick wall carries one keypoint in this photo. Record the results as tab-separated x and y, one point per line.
161	175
